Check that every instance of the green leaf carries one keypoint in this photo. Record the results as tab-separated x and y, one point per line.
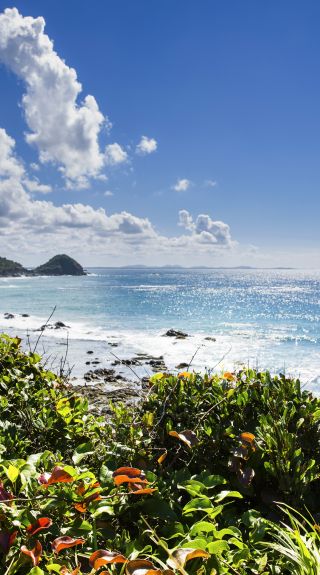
197	504
55	567
103	509
156	377
12	473
78	527
202	527
211	481
212	513
218	547
36	571
223	494
198	543
82	451
227	531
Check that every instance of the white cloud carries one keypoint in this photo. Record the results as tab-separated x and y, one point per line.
48	228
64	131
206	230
146	146
182	185
186	220
35	186
115	155
34	166
108	194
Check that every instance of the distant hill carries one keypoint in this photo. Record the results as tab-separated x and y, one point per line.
9	268
60	265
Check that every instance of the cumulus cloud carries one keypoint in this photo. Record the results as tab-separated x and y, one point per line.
205	230
16	204
64	131
108	194
35	186
182	185
146	146
115	155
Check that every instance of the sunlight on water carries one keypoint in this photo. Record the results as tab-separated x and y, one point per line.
268	318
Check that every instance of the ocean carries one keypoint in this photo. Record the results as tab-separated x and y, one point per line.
265	319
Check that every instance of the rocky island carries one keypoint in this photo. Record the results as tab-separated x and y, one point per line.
59	265
9	268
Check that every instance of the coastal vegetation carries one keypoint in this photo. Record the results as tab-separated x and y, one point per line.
56	266
212	474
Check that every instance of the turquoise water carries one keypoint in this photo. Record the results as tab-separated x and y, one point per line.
265	318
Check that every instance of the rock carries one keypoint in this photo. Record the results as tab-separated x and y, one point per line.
25	315
209	338
132	361
102	374
182	366
157	365
88	362
8	315
90	352
113	344
176	333
60	265
99	398
59	324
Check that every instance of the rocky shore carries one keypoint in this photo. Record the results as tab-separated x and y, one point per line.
99	369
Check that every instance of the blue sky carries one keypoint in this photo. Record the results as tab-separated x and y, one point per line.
227	94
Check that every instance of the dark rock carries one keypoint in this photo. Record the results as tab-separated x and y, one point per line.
209	338
182	365
8	315
157	365
102	374
176	333
59	324
113	344
90	352
25	315
60	265
88	362
127	362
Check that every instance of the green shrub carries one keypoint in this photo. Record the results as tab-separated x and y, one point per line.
202	461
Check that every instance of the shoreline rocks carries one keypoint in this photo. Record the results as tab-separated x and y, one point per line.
176	333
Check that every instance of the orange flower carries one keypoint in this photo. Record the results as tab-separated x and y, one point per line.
41	523
65	543
34	554
104	557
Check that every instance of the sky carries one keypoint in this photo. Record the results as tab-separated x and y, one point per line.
160	132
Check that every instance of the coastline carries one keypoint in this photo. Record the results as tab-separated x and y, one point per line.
137	354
